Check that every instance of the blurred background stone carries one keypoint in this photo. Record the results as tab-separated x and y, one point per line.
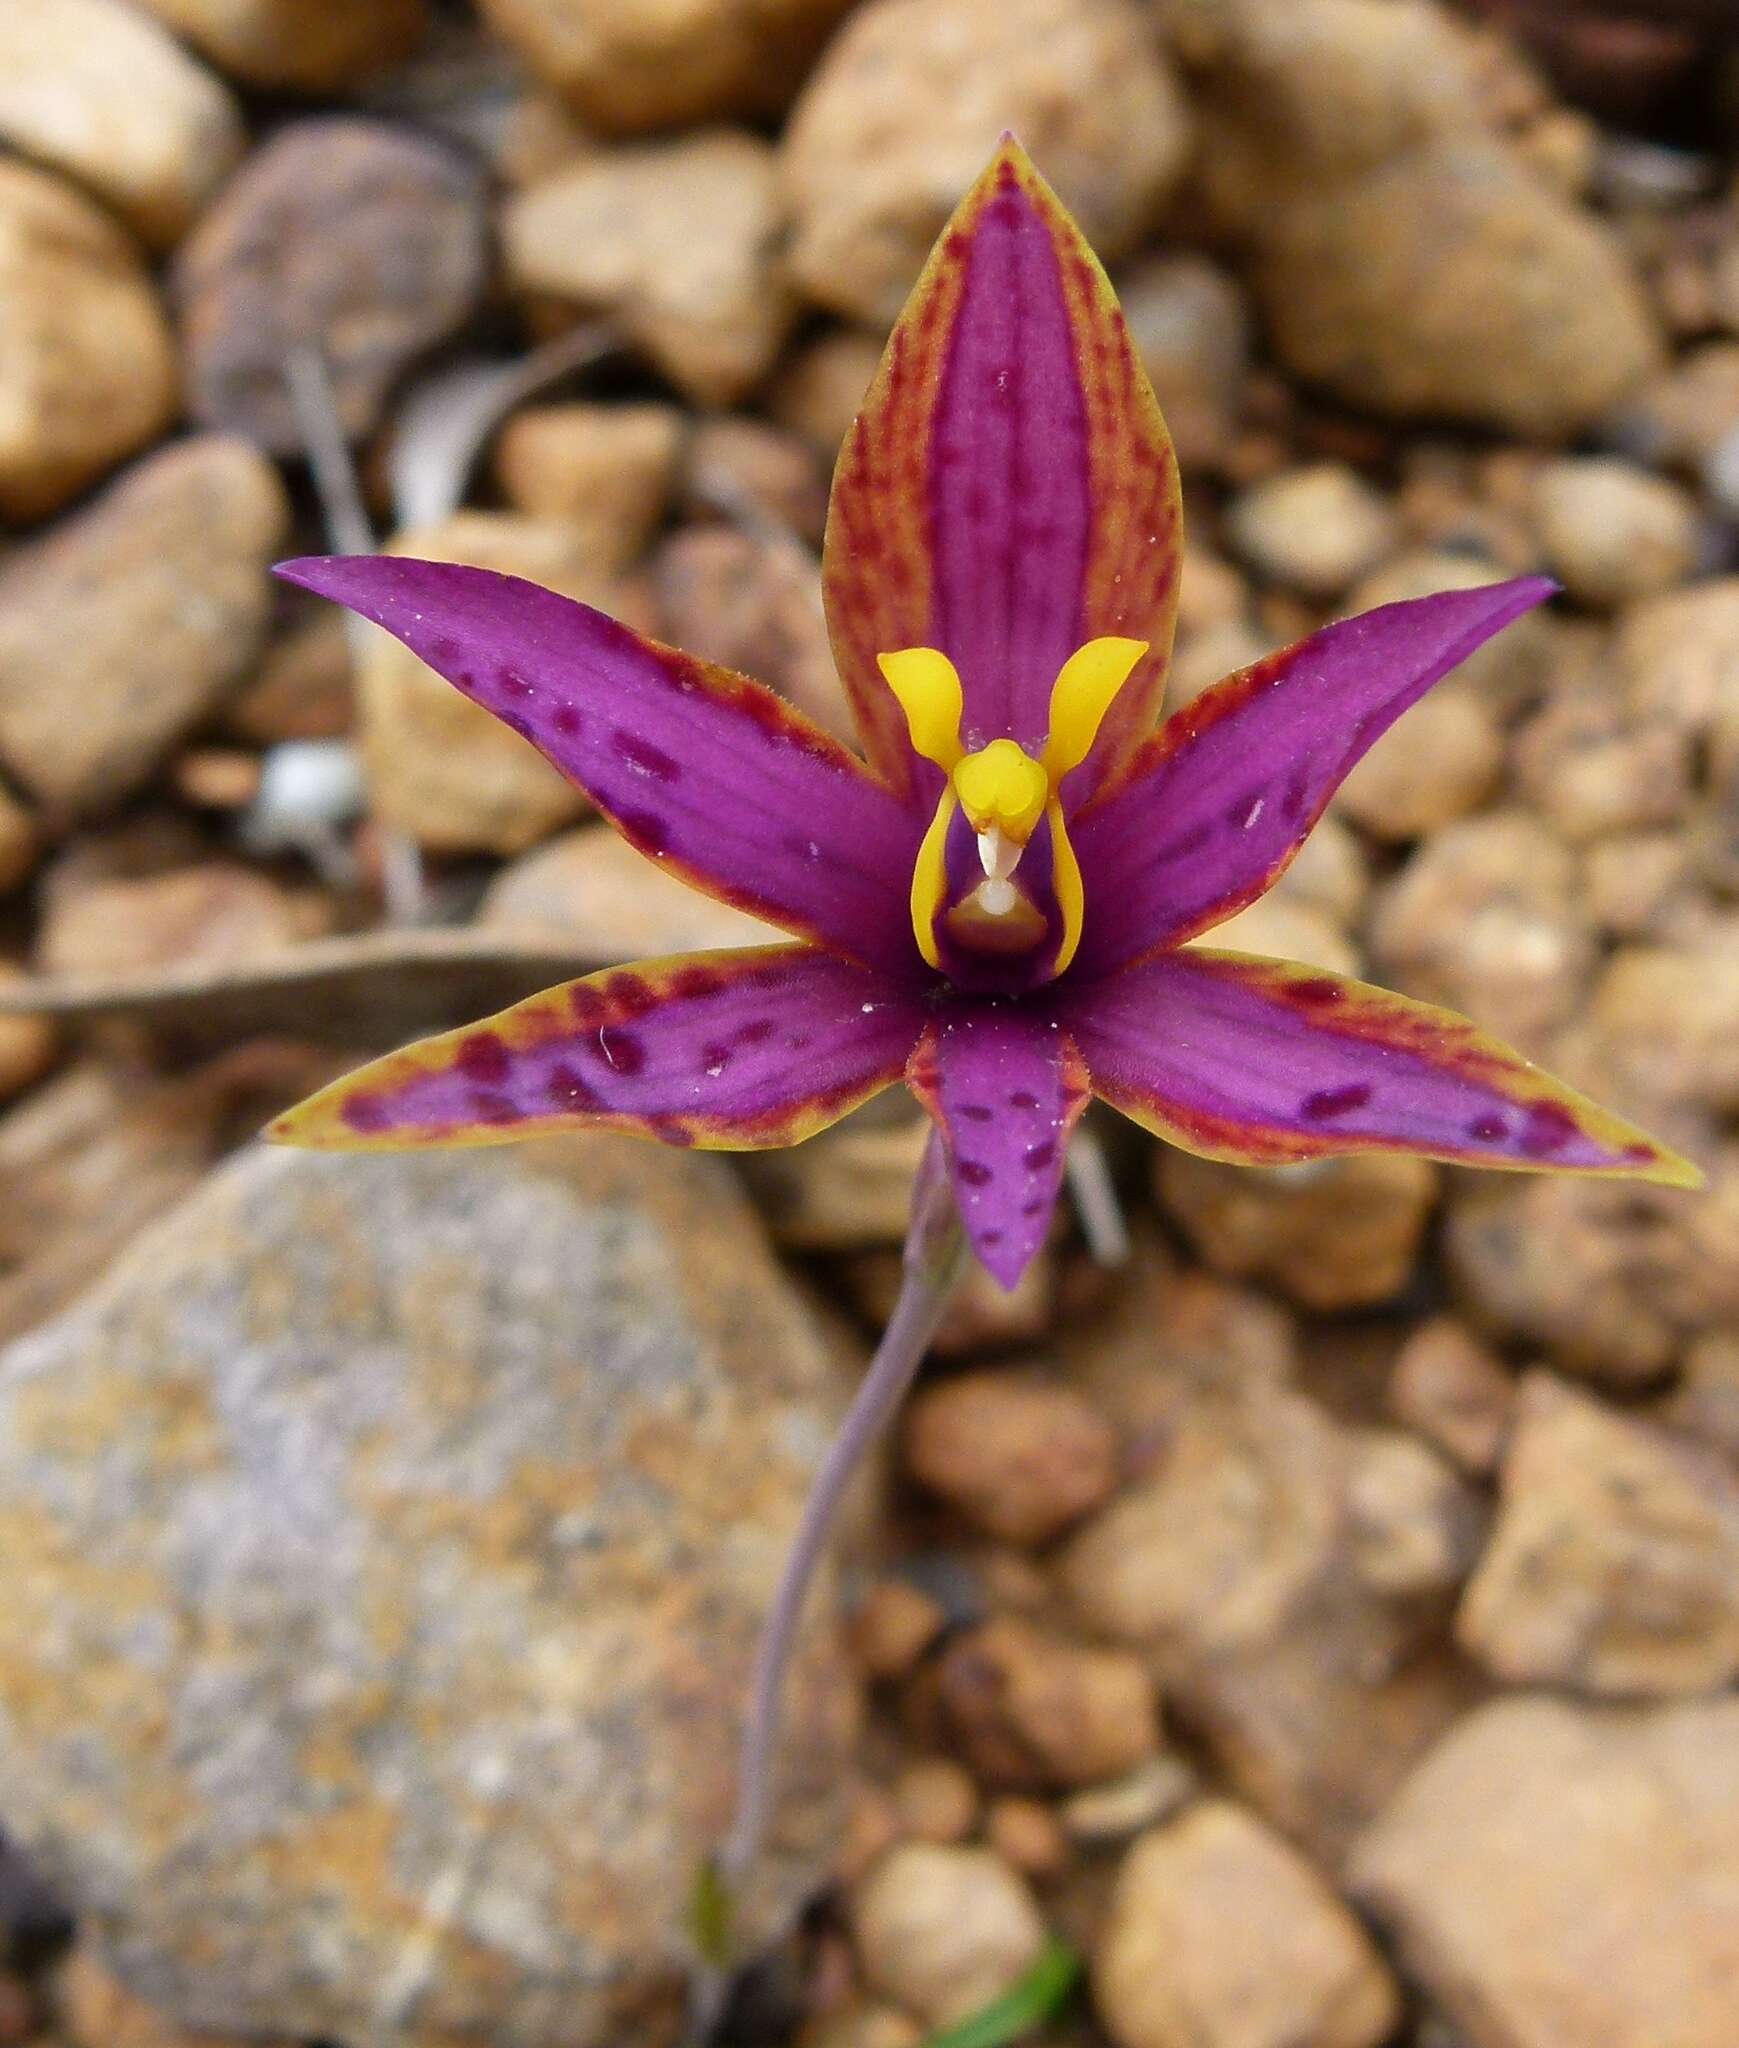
462	1615
87	366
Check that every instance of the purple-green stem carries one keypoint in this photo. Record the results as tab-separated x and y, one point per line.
935	1253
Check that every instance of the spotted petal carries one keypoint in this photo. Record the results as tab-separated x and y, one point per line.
729	1051
1006	1086
1264	1062
1009	490
1220	800
706	772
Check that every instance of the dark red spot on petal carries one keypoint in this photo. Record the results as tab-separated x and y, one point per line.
568	1088
1488	1129
1328	1103
1547	1128
714	1059
620	1050
1036	1207
366	1113
756	1032
566	721
1041	1155
974	1112
632	995
646	759
1317	992
974	1172
644	830
483	1058
490	1106
693	983
1023	1098
514	685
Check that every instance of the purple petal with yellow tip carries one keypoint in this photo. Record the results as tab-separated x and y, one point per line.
704	771
1006	1084
1008	491
1219	801
1265	1062
730	1051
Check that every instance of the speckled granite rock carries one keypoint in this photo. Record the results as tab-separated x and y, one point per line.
386	1540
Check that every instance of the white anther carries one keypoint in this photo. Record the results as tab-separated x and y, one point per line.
998	854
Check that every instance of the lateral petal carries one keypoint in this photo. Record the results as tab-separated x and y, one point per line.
1264	1062
1006	1085
727	1051
702	770
1218	802
1008	491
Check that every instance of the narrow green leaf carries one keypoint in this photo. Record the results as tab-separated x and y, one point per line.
1038	1996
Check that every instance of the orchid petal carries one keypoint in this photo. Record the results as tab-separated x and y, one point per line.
727	1051
706	772
1006	1086
1263	1062
1219	801
1008	491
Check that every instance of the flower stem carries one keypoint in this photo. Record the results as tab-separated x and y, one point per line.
935	1253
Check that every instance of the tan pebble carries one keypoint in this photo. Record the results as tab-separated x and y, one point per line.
1414	1528
895	1623
1669	1018
1283	926
1209	655
18	842
1210	591
863	2026
943	1931
1020	1456
28	1045
1025	1833
1611	530
872	1827
1488	918
624	68
606	470
1613	1567
167	574
1442	760
1555	1872
821	386
905	107
97	91
87	364
676	240
936	1800
1314	530
1332	1234
1113	1812
1221	1935
1452	1389
1192	330
295	45
1031	1708
751	603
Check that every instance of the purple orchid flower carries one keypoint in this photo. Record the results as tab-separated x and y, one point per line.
996	901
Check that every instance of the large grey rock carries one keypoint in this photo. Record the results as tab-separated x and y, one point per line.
385	1541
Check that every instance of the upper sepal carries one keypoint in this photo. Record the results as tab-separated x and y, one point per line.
1008	491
